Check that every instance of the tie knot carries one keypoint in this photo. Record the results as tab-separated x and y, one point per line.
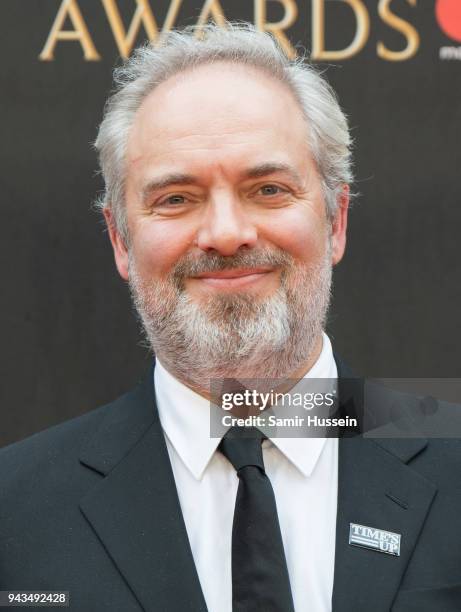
242	446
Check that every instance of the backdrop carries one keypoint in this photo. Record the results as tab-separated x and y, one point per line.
70	339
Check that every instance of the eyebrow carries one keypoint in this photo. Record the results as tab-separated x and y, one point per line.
258	171
176	178
268	168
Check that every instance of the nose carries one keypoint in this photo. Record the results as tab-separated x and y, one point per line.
226	226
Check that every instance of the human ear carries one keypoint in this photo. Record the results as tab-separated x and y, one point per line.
118	244
339	226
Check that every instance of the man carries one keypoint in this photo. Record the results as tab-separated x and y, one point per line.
227	170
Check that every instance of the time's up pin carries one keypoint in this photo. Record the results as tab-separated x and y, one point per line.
375	539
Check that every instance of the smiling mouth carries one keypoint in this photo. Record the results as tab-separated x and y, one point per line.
237	277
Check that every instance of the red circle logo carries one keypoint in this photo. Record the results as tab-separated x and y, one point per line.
448	13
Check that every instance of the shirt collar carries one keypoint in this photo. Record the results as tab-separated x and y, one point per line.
185	419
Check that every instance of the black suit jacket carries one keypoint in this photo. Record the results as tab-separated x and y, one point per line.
91	507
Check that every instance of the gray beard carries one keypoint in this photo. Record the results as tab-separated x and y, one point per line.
234	335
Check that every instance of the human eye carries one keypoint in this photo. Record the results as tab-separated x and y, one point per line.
170	204
270	195
273	193
270	190
175	199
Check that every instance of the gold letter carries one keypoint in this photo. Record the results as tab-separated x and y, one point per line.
318	31
172	14
69	8
213	8
143	15
291	12
402	26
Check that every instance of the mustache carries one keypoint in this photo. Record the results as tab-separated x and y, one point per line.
191	265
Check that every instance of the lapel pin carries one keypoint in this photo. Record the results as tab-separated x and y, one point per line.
375	539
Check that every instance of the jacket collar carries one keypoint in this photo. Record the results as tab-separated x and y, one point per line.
126	420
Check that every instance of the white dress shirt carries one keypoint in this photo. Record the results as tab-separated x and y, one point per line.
304	476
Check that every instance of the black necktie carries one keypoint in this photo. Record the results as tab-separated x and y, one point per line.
260	581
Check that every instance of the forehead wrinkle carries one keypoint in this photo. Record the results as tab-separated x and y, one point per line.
150	147
185	138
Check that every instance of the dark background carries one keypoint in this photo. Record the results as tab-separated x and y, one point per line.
70	339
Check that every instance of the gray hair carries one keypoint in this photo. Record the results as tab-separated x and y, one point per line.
180	50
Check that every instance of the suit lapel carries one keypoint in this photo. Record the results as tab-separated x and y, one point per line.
135	510
376	489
